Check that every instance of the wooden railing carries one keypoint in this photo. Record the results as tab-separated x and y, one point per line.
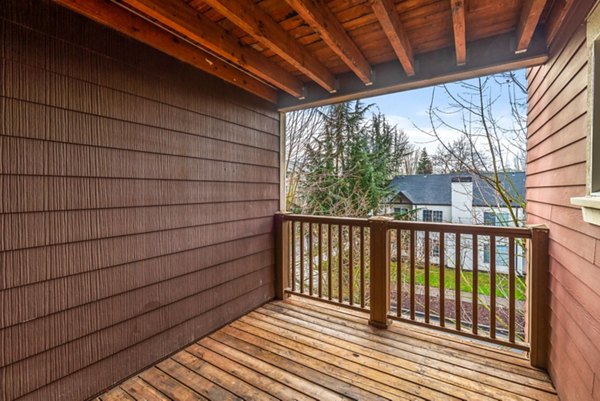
483	282
326	259
471	310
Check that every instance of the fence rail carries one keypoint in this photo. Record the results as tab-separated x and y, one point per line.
476	281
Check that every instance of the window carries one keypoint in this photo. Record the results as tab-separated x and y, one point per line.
501	254
433	215
496	219
435	248
591	203
427	215
489	219
400	210
594	157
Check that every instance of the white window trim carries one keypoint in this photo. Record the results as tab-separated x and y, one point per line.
590	204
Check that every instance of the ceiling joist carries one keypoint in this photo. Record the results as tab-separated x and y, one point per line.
390	22
325	23
118	18
184	20
486	56
460	35
530	16
247	15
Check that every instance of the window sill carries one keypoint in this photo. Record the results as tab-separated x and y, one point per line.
590	205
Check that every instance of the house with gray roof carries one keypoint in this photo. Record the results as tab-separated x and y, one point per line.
460	198
457	198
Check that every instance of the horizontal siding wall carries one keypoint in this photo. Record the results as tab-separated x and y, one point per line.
556	171
136	207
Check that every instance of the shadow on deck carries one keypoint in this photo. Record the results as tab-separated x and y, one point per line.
305	350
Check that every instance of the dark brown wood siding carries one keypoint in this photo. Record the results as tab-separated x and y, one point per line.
136	207
556	171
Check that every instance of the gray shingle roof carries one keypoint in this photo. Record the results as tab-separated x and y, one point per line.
435	189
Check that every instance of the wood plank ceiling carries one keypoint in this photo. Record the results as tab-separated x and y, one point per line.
300	53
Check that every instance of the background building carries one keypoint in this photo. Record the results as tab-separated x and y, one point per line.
461	198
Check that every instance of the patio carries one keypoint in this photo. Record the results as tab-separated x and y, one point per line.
301	349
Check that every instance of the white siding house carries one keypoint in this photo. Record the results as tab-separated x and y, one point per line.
461	199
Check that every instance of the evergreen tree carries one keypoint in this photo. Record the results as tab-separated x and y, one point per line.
425	166
350	162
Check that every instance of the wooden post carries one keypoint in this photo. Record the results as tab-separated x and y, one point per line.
282	249
380	272
538	300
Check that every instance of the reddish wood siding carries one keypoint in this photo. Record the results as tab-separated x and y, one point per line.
556	172
136	207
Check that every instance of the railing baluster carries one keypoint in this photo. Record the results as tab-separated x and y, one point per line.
511	289
340	264
350	266
442	265
457	299
329	262
398	272
310	258
426	276
412	273
492	286
293	256
475	300
302	257
320	250
362	267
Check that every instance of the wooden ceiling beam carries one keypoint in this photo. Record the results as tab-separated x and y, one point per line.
460	35
390	22
530	16
186	21
486	56
325	23
119	19
247	15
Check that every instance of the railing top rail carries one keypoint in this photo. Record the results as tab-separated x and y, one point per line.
344	221
520	232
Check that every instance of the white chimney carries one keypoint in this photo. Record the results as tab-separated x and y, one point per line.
462	199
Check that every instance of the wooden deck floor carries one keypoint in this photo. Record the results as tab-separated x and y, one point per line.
302	350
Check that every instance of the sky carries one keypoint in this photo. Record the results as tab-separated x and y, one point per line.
409	109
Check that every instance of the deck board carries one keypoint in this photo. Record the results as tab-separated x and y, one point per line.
303	350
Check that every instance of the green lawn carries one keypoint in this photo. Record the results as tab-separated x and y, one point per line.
466	281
